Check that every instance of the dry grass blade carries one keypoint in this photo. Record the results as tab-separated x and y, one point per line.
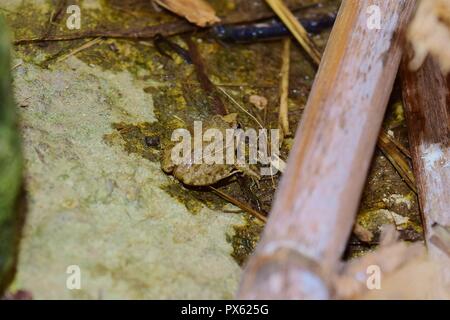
397	159
240	205
79	49
16	66
284	88
296	28
400	147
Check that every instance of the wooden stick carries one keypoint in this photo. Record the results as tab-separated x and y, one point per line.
396	158
85	46
400	147
240	205
296	28
283	118
319	194
426	95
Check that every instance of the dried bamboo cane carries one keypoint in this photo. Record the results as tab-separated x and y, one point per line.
426	95
283	118
318	197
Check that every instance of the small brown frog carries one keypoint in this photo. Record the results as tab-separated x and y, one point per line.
201	175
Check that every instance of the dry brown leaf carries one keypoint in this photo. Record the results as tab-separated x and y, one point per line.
351	284
362	233
195	11
407	272
429	33
420	279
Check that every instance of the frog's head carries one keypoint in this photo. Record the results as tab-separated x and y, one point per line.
167	164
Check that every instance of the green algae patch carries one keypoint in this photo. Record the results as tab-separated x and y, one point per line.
141	139
245	239
196	198
119	54
178	192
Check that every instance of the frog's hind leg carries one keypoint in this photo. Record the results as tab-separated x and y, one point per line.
246	170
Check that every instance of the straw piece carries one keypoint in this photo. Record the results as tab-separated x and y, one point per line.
296	28
284	88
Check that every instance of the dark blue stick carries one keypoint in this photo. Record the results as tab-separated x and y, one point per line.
271	29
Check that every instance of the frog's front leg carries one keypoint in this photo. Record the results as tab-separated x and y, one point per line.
249	172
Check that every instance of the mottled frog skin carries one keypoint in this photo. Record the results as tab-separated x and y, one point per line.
201	175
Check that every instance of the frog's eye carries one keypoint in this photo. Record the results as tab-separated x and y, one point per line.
217	118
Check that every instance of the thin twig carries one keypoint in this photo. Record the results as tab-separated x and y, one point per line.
283	119
240	205
296	28
79	49
400	147
240	107
399	162
206	84
148	32
17	65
